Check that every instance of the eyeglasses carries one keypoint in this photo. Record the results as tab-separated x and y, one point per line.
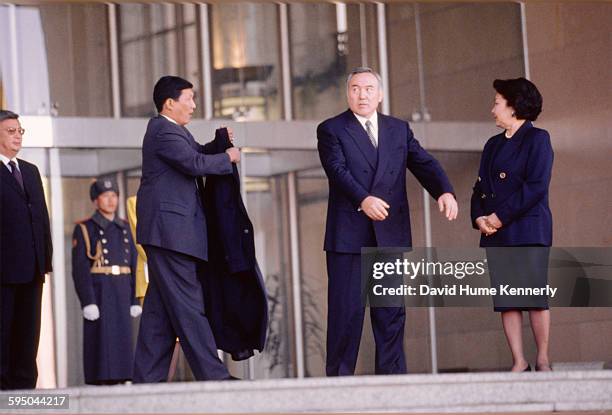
13	130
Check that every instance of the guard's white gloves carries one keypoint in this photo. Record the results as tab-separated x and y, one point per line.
91	312
135	311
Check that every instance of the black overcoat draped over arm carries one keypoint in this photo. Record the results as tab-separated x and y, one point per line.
235	296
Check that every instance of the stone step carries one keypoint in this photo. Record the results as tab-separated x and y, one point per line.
470	392
567	366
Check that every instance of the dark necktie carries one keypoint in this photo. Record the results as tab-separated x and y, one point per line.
371	133
16	174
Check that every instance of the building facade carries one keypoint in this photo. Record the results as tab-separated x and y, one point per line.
81	74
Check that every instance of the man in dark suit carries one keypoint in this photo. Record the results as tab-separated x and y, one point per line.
25	258
172	229
365	155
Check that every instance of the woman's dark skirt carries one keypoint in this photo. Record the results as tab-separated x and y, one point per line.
519	267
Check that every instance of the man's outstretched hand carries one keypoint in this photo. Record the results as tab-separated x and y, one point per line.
448	204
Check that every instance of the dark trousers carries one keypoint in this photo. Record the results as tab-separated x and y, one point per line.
20	332
174	307
345	314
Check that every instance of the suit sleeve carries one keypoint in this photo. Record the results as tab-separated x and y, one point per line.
47	229
133	266
426	168
81	266
476	209
334	164
176	151
535	186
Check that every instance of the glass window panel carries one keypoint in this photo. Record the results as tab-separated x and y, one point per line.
164	53
79	76
191	45
402	57
362	37
189	12
463	326
246	62
317	65
134	21
137	80
465	47
156	40
79	167
267	205
312	204
163	17
326	43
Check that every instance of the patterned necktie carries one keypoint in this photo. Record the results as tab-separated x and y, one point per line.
371	134
16	174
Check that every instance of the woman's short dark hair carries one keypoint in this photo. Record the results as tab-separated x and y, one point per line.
168	87
522	95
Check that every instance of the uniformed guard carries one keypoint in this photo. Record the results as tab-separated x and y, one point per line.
103	269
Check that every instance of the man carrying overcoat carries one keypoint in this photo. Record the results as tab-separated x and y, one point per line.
172	229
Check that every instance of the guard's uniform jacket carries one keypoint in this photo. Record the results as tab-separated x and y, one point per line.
103	267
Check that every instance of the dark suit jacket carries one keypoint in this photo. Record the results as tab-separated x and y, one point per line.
235	296
355	170
25	235
513	182
169	210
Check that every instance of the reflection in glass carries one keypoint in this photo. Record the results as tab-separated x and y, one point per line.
267	187
465	47
156	40
312	205
79	76
246	62
267	207
327	41
79	167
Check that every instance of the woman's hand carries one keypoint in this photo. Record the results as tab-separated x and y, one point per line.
484	226
493	221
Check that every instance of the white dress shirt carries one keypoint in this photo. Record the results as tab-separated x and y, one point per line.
374	120
6	161
169	119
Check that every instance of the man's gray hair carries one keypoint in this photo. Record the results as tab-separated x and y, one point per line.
7	115
363	69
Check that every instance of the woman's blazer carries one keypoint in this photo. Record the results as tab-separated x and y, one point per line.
513	182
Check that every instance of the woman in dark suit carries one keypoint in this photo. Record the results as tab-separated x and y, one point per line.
509	207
